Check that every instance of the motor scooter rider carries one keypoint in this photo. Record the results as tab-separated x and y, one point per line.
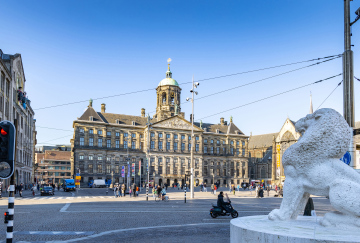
221	203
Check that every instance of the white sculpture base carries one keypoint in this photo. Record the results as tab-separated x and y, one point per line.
259	229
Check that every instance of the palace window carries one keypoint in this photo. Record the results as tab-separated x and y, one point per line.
167	135
212	150
218	142
108	133
243	152
196	164
99	169
108	143
99	132
152	145
90	157
205	150
197	138
91	131
91	169
152	134
116	169
212	141
197	147
175	146
168	145
117	144
182	136
108	169
99	142
237	143
133	135
189	146
81	157
82	141
189	137
231	150
243	143
99	157
232	142
205	140
160	135
175	136
237	151
182	146
125	144
217	150
224	150
223	141
117	134
91	142
160	145
125	134
108	158
133	145
81	130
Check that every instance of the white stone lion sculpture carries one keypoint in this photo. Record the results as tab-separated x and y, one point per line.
312	166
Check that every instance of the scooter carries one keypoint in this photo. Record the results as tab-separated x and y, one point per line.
219	211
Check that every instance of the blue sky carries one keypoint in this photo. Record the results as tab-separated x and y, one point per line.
77	50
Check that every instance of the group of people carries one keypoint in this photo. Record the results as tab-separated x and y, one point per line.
203	187
159	191
120	191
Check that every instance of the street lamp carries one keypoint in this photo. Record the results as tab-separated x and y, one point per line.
192	91
148	158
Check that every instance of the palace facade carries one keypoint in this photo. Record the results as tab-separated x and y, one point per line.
105	143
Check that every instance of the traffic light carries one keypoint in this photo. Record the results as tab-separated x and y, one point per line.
6	217
7	149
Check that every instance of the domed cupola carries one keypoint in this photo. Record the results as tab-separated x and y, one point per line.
168	96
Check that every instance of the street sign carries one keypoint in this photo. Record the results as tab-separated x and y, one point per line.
77	174
78	177
346	158
77	183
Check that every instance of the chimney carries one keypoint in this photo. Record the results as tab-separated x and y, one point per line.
222	121
142	112
103	108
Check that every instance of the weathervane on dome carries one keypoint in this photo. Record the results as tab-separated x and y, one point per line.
169	60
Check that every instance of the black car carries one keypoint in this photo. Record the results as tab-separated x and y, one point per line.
47	190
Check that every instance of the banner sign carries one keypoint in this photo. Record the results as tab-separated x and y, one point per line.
278	159
123	171
128	175
139	173
133	169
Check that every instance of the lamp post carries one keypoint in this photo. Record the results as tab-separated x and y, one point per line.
194	85
148	158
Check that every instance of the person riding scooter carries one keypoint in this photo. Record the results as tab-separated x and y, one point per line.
222	204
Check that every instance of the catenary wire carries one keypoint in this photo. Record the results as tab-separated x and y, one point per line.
54	128
329	58
330	94
268	97
260	80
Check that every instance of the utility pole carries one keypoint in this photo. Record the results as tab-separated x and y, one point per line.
348	77
148	159
192	144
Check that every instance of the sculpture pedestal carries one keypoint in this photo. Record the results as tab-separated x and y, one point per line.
255	229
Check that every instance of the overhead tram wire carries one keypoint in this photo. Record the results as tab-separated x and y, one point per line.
268	97
260	80
54	128
56	139
330	94
267	68
206	79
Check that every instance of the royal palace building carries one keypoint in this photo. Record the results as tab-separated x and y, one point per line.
105	143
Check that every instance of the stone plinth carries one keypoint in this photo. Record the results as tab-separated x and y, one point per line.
259	229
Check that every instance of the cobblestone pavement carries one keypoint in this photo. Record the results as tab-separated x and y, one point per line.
92	215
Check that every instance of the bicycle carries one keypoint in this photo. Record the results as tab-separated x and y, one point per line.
158	199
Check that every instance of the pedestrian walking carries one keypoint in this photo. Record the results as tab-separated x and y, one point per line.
268	191
205	189
215	187
137	191
115	191
20	189
123	191
238	187
134	189
130	191
212	188
154	192
256	191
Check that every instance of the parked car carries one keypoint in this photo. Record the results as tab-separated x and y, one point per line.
47	190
